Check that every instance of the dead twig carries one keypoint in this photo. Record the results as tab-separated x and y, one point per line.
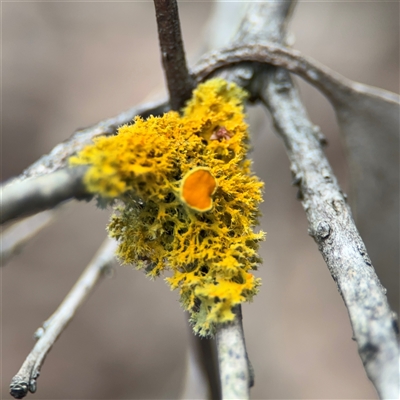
329	82
369	312
58	157
236	373
179	82
332	227
51	181
25	380
44	192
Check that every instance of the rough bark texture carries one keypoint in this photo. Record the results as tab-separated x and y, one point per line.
235	370
333	229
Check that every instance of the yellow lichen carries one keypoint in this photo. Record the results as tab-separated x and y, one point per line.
189	201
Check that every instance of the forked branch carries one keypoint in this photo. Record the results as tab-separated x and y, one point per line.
323	78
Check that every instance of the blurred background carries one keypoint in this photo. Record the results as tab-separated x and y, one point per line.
67	65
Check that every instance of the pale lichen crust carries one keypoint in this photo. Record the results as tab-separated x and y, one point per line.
189	201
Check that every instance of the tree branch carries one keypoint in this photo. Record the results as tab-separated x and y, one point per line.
332	227
180	84
235	369
332	84
41	193
25	380
58	157
49	191
292	60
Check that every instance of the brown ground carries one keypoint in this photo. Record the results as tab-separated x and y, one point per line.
70	64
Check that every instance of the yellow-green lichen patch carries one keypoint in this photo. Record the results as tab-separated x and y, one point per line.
189	201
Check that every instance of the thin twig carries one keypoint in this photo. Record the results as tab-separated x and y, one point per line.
25	380
179	82
16	199
58	157
14	238
44	192
332	227
235	369
328	81
51	182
